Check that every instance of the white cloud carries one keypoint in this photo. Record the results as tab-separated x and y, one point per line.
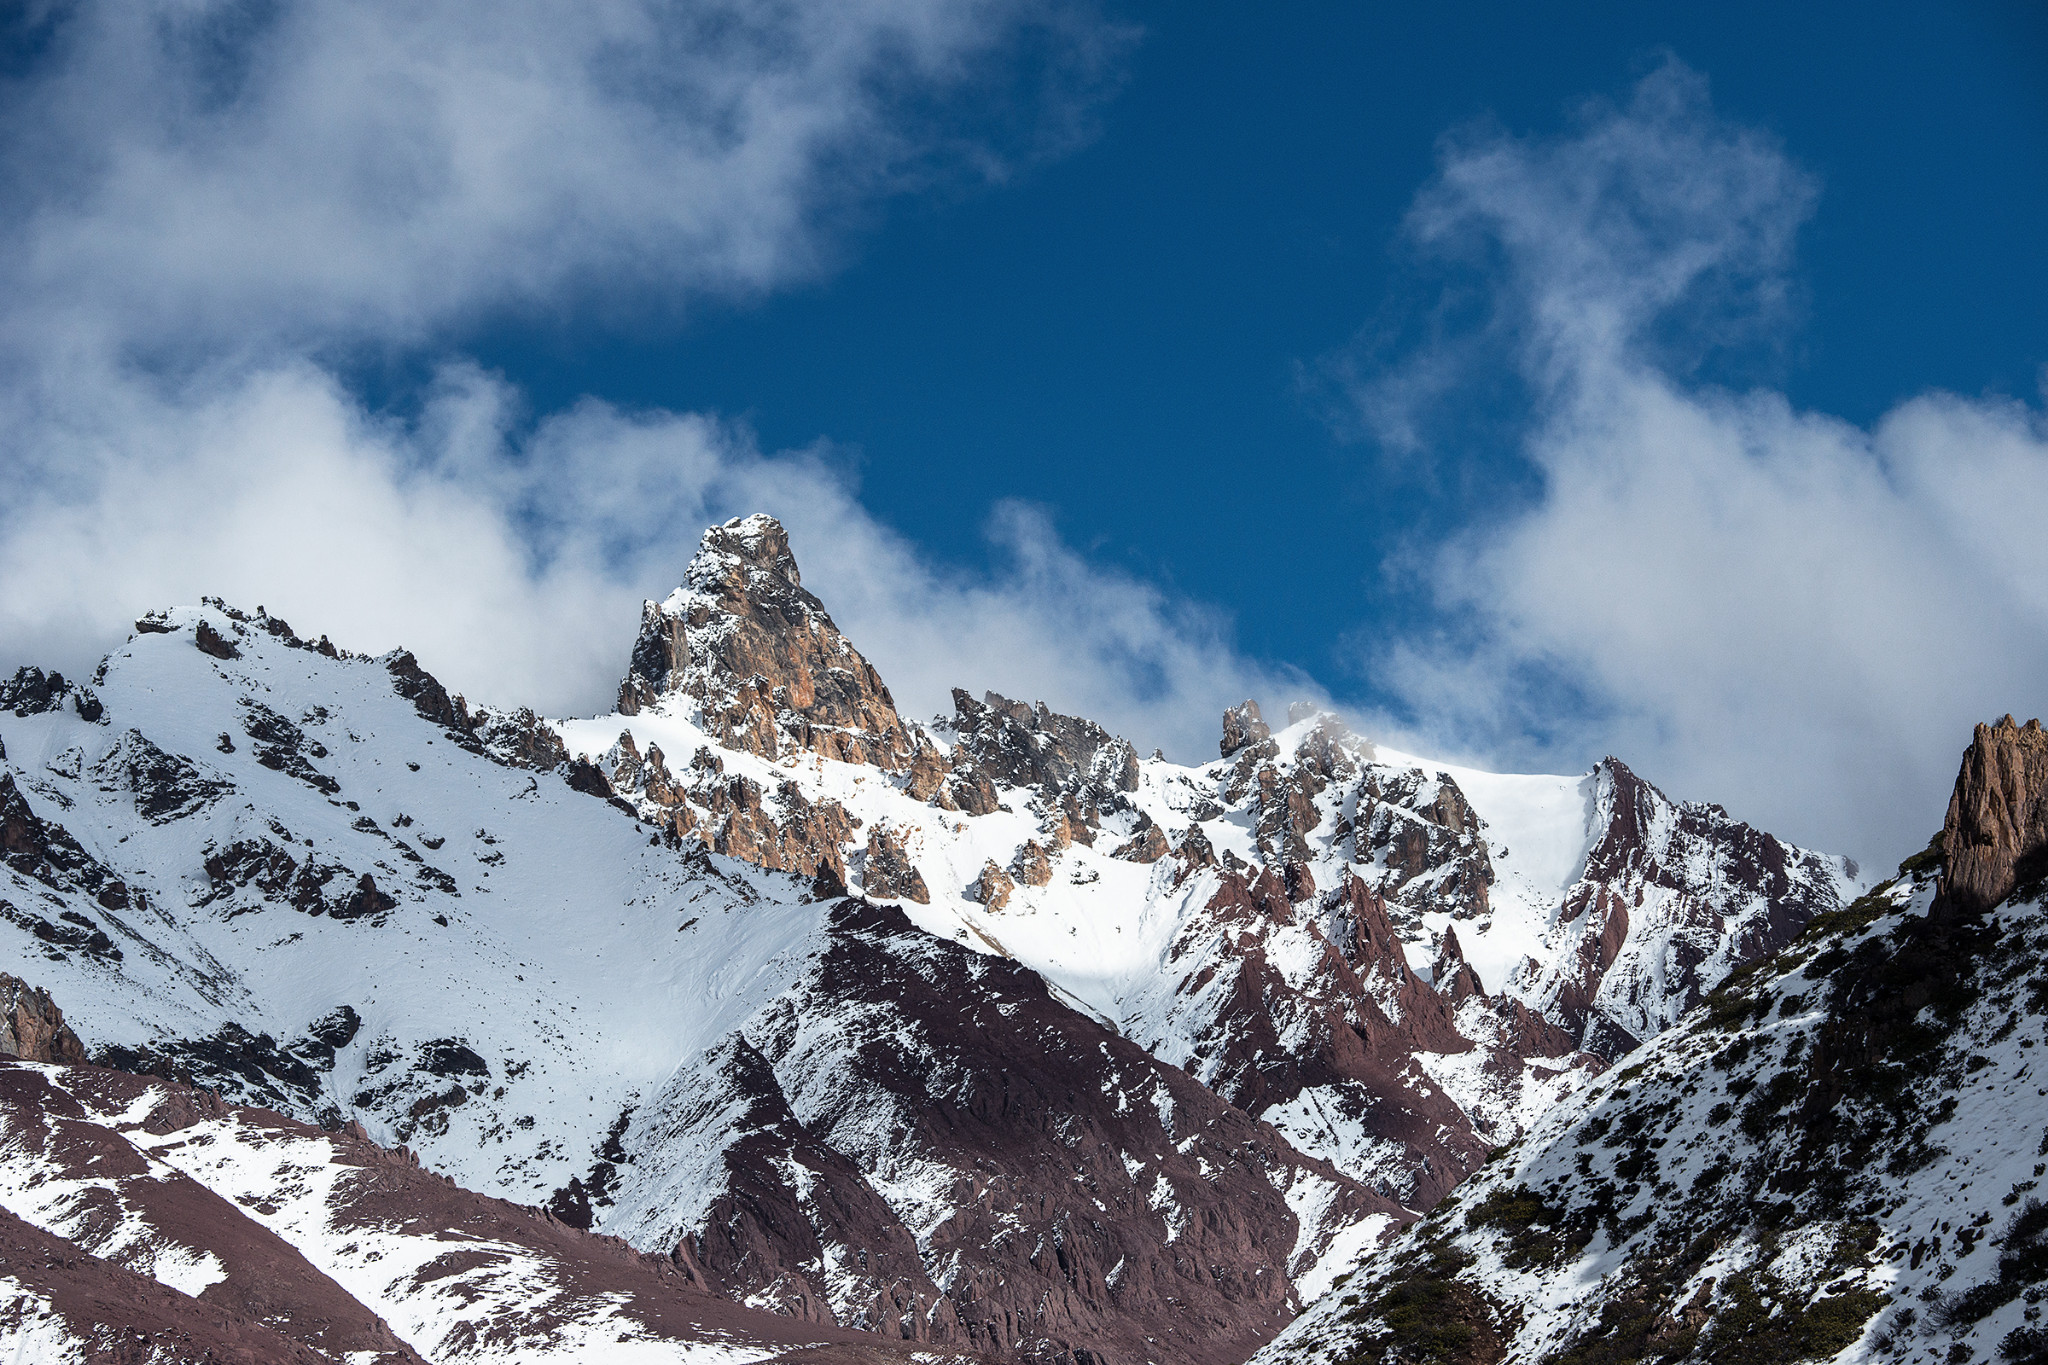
215	173
514	561
1751	603
208	202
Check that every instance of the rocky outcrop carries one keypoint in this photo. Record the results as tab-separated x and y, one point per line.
1995	838
1034	746
993	888
1351	1027
761	658
1031	866
888	872
1243	725
1425	834
1672	897
787	832
32	1027
33	692
1146	845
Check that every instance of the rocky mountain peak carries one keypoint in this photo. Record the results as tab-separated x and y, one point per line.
1242	725
755	545
1996	834
761	657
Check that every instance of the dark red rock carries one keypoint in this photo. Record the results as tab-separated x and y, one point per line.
1055	1247
121	1318
275	1306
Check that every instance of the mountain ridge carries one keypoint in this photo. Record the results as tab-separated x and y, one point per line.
556	957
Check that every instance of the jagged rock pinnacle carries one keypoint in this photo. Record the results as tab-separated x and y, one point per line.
761	657
1996	834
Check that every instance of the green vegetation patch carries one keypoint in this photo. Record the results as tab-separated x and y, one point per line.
1427	1314
1538	1235
1748	1329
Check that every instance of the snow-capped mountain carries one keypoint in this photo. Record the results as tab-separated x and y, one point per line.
1836	1159
987	1034
1396	962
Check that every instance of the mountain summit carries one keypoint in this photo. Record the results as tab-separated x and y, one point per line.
986	1035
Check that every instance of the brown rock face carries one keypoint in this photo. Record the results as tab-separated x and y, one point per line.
993	887
1148	845
1996	836
1032	866
788	833
32	1027
1243	725
762	658
888	870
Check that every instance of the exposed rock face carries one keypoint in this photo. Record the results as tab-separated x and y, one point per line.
761	657
1672	897
1148	845
33	692
785	833
1243	725
1352	1026
1031	746
1995	838
65	1300
796	1220
1031	866
993	887
1075	1195
1426	835
32	1027
888	871
43	850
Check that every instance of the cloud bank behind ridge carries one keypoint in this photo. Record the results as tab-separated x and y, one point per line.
1769	607
213	210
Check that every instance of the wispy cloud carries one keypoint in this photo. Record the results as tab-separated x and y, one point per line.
214	174
1757	604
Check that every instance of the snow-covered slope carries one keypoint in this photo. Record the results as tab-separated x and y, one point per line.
1397	962
1107	1053
1836	1157
315	882
348	1251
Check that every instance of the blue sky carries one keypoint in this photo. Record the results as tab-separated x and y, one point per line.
1118	335
1532	382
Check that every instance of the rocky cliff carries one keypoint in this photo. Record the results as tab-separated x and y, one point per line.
1835	1156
